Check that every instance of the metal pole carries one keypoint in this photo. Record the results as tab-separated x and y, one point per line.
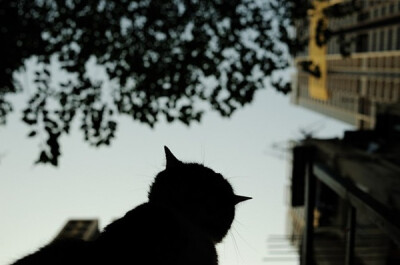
307	257
351	230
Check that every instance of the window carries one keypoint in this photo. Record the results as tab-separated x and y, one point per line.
398	38
381	62
389	39
372	87
373	48
363	16
390	62
382	40
362	43
390	92
391	8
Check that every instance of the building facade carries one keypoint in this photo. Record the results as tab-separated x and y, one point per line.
345	196
85	229
350	88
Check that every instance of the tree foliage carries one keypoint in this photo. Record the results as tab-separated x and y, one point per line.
160	56
289	13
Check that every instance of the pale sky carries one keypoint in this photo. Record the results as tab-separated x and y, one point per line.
36	201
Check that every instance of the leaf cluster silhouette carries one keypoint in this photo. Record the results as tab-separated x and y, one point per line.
159	56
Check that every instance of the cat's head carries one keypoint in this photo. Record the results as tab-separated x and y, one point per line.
203	196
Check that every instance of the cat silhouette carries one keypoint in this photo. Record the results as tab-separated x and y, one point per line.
190	208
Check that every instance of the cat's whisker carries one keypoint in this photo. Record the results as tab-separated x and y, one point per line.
237	177
244	240
203	155
235	246
145	177
138	189
239	223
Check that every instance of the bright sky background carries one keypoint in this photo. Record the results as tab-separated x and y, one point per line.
36	201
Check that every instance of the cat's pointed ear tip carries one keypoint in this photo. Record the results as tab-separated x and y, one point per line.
168	152
171	159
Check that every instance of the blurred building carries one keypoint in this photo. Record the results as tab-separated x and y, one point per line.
350	88
345	196
87	230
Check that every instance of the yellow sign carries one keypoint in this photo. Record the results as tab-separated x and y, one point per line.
317	87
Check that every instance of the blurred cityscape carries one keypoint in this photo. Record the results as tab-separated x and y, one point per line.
345	193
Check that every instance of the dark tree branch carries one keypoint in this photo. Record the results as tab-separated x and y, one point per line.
161	57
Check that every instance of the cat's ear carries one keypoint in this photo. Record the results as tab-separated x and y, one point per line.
239	198
172	161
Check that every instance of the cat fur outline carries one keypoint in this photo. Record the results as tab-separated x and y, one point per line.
190	208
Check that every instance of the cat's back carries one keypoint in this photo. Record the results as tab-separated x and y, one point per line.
190	208
60	252
153	234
